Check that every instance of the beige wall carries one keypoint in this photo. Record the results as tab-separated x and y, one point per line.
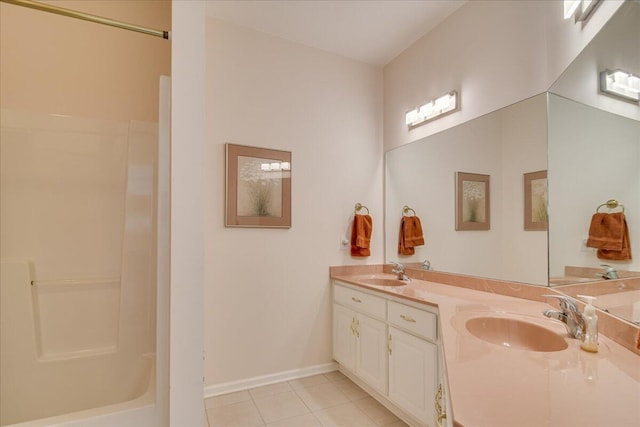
56	64
267	299
494	53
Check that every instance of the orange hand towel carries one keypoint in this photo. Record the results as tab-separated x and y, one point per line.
610	235
361	235
410	235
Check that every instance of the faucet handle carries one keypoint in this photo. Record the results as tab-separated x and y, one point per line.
397	265
566	303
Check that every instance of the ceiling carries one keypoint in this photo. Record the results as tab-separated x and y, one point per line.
374	32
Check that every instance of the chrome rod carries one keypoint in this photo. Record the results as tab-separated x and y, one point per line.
87	17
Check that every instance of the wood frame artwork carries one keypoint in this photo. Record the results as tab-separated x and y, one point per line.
473	201
258	187
535	201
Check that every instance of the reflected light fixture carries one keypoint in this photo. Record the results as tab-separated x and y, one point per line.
620	83
433	109
581	9
275	166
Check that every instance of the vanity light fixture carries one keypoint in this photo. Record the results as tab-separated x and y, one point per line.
581	9
433	109
620	83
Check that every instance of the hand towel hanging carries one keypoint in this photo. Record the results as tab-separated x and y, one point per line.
361	235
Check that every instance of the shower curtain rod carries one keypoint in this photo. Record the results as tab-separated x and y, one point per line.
88	17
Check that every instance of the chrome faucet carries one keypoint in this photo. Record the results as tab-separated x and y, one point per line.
399	270
570	315
610	272
426	265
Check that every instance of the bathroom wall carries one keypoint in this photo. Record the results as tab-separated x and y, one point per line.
56	64
267	299
494	53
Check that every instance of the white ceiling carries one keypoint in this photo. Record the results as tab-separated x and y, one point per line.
374	32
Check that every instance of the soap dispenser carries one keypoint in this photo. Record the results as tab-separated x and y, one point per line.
590	338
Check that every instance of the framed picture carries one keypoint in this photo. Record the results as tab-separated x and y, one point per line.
258	187
472	201
535	201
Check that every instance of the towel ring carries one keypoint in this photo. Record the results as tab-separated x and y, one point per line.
406	209
360	206
611	204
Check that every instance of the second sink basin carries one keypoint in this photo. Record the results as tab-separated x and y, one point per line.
514	333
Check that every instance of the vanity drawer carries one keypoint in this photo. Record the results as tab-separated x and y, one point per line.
419	322
360	301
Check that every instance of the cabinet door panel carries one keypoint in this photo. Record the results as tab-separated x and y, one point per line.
413	375
344	339
371	364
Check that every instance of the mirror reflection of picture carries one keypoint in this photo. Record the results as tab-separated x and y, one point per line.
535	201
472	201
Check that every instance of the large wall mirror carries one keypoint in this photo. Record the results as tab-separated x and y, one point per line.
589	144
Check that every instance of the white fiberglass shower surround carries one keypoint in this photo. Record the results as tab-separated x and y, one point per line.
79	223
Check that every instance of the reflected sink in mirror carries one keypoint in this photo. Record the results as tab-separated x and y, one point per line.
381	280
515	334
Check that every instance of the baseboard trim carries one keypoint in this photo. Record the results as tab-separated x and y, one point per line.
230	387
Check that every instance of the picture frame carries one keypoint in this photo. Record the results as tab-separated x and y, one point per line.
473	201
536	201
258	187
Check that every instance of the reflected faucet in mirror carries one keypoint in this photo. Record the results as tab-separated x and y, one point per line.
610	272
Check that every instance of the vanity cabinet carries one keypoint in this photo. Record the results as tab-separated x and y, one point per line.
392	348
359	340
413	360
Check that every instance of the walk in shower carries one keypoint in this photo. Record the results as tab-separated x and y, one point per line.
78	228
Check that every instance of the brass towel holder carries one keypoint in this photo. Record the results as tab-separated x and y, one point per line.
359	207
406	209
611	204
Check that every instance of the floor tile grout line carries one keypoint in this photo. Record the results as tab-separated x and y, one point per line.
255	405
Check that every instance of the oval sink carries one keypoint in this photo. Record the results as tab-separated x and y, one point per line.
385	282
514	333
380	279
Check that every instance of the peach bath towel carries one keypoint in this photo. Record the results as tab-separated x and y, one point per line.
609	233
410	235
361	235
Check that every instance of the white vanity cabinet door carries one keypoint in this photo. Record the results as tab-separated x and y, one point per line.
371	352
413	374
344	337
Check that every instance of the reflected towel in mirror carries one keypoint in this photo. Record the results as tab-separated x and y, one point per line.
410	235
609	233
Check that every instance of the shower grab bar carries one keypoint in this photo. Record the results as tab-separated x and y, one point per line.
76	282
88	17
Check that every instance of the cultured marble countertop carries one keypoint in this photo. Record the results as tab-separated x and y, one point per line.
492	385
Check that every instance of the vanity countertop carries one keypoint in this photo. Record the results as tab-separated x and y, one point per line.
492	385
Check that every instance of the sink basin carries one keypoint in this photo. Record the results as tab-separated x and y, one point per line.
385	282
381	279
514	333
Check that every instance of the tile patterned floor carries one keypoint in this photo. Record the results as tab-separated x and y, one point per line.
320	400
